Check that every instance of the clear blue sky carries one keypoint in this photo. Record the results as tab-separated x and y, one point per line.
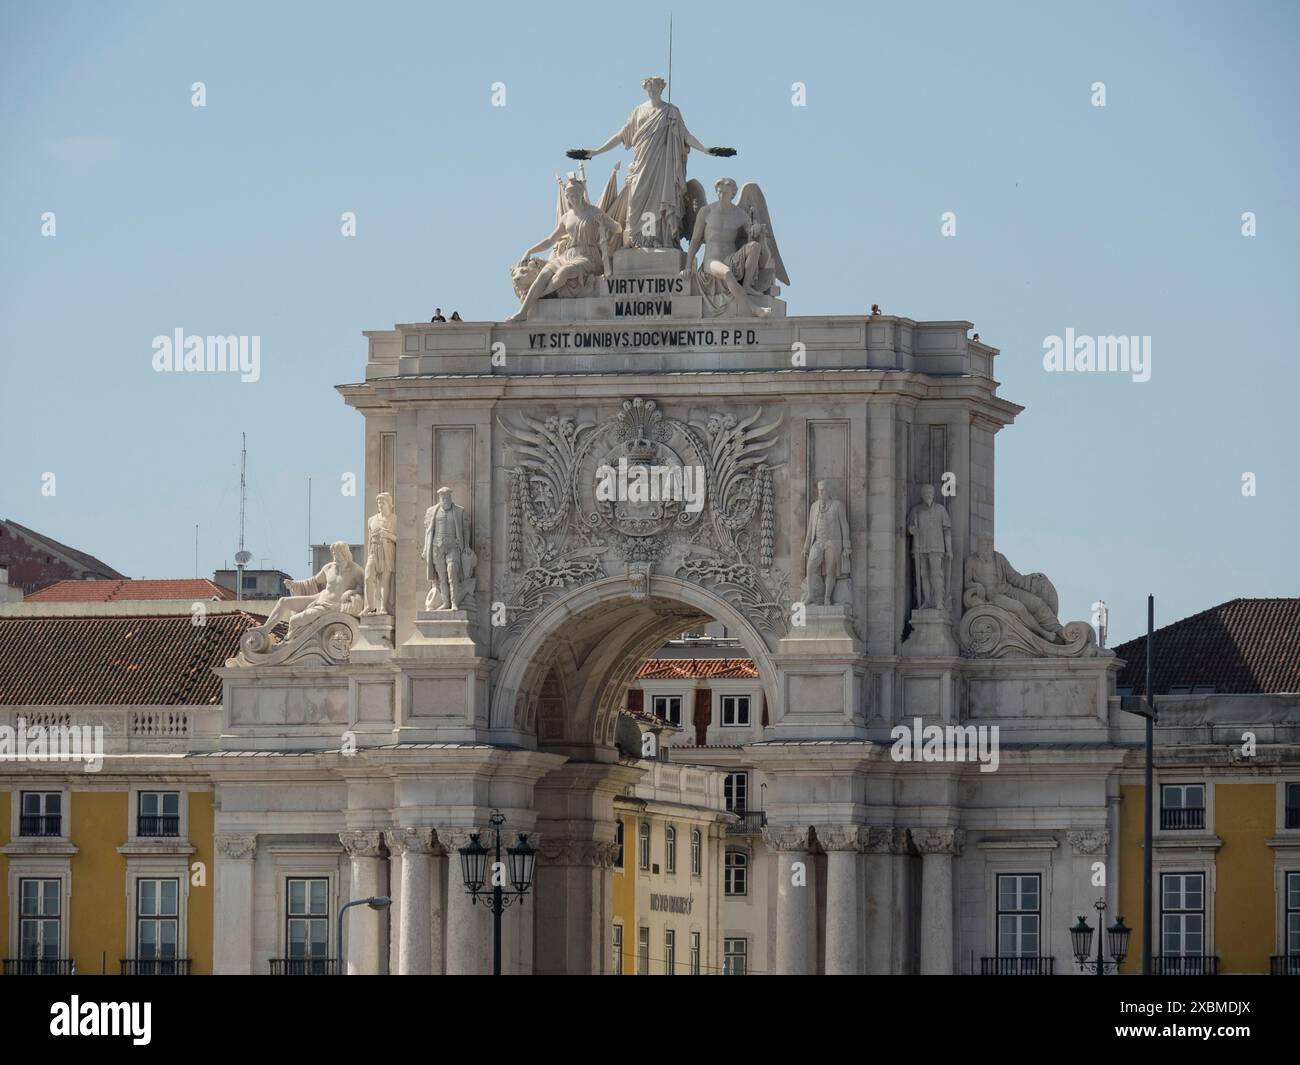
225	220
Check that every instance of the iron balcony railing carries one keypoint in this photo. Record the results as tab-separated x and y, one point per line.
1284	965
158	825
39	967
1185	965
1029	966
750	824
1182	817
155	967
40	824
304	967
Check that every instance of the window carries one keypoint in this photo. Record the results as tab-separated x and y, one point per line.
307	931
735	709
695	953
697	852
733	957
250	583
41	814
1293	914
735	789
1019	915
1182	915
40	911
618	950
643	951
735	881
1182	806
670	952
668	708
670	849
618	843
160	814
157	920
643	846
1292	806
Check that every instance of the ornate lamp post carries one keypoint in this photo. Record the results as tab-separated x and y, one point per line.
1117	934
521	860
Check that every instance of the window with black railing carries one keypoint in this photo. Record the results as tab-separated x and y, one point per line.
1284	965
1293	806
1024	966
1183	941
155	967
39	967
304	967
1185	965
159	814
40	813
1182	807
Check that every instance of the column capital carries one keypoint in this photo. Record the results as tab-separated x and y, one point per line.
235	845
786	838
362	844
1088	840
457	836
887	841
842	837
412	840
939	840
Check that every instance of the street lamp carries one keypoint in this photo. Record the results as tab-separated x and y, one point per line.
375	902
522	859
1116	936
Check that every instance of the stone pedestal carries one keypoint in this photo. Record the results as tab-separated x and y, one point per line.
648	262
374	641
931	635
441	634
827	630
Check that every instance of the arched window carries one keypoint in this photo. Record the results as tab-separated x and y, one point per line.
644	846
736	881
670	849
697	852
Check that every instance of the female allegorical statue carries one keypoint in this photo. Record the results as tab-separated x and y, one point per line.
583	234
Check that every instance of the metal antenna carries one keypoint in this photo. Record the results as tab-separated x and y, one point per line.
310	554
243	556
670	57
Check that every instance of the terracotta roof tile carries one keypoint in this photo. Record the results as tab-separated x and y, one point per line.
116	661
115	591
697	669
1241	647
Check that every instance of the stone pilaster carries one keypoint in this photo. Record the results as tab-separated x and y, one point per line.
843	845
938	847
365	931
420	921
887	910
232	887
794	904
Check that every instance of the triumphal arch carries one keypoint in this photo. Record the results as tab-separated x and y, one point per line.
649	440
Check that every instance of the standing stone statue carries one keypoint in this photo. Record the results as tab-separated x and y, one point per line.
446	544
656	180
930	528
338	587
381	556
826	546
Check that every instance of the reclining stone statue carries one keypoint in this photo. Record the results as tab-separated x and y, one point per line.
338	588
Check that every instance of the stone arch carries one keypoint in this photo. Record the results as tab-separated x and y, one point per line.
589	642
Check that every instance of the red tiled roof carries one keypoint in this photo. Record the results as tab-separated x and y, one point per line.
697	668
114	591
116	661
1241	647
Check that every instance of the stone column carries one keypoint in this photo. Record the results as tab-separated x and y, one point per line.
885	848
793	902
938	847
843	845
232	887
575	905
415	899
469	923
365	930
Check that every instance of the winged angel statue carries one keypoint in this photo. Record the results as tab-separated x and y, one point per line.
741	260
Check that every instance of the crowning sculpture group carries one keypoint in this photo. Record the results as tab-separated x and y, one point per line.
1002	611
